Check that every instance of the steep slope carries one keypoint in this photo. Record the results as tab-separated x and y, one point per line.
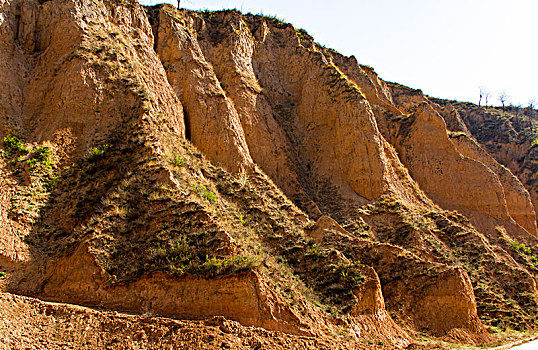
507	134
193	165
142	190
446	171
266	62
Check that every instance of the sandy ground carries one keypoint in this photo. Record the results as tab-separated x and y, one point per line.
521	345
527	346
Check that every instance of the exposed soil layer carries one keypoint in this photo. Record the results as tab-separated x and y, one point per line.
225	168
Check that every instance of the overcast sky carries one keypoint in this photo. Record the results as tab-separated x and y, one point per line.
447	48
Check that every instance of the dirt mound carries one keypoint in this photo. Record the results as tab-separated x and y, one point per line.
33	323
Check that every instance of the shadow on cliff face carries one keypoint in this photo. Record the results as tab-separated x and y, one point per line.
46	52
105	241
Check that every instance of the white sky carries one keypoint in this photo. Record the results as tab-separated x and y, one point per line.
447	48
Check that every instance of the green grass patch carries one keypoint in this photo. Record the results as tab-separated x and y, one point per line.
14	146
520	247
208	14
178	161
349	274
98	152
205	193
224	266
275	20
303	35
41	156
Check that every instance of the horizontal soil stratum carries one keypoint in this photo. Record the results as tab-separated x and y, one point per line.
173	179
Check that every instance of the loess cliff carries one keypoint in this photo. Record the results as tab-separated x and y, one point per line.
256	189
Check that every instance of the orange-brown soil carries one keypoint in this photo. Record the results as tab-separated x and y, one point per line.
226	169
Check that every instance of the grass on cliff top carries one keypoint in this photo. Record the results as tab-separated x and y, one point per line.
511	124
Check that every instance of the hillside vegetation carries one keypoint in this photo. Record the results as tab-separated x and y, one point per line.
224	168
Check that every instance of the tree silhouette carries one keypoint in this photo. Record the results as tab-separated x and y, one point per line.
503	97
482	92
487	96
530	114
